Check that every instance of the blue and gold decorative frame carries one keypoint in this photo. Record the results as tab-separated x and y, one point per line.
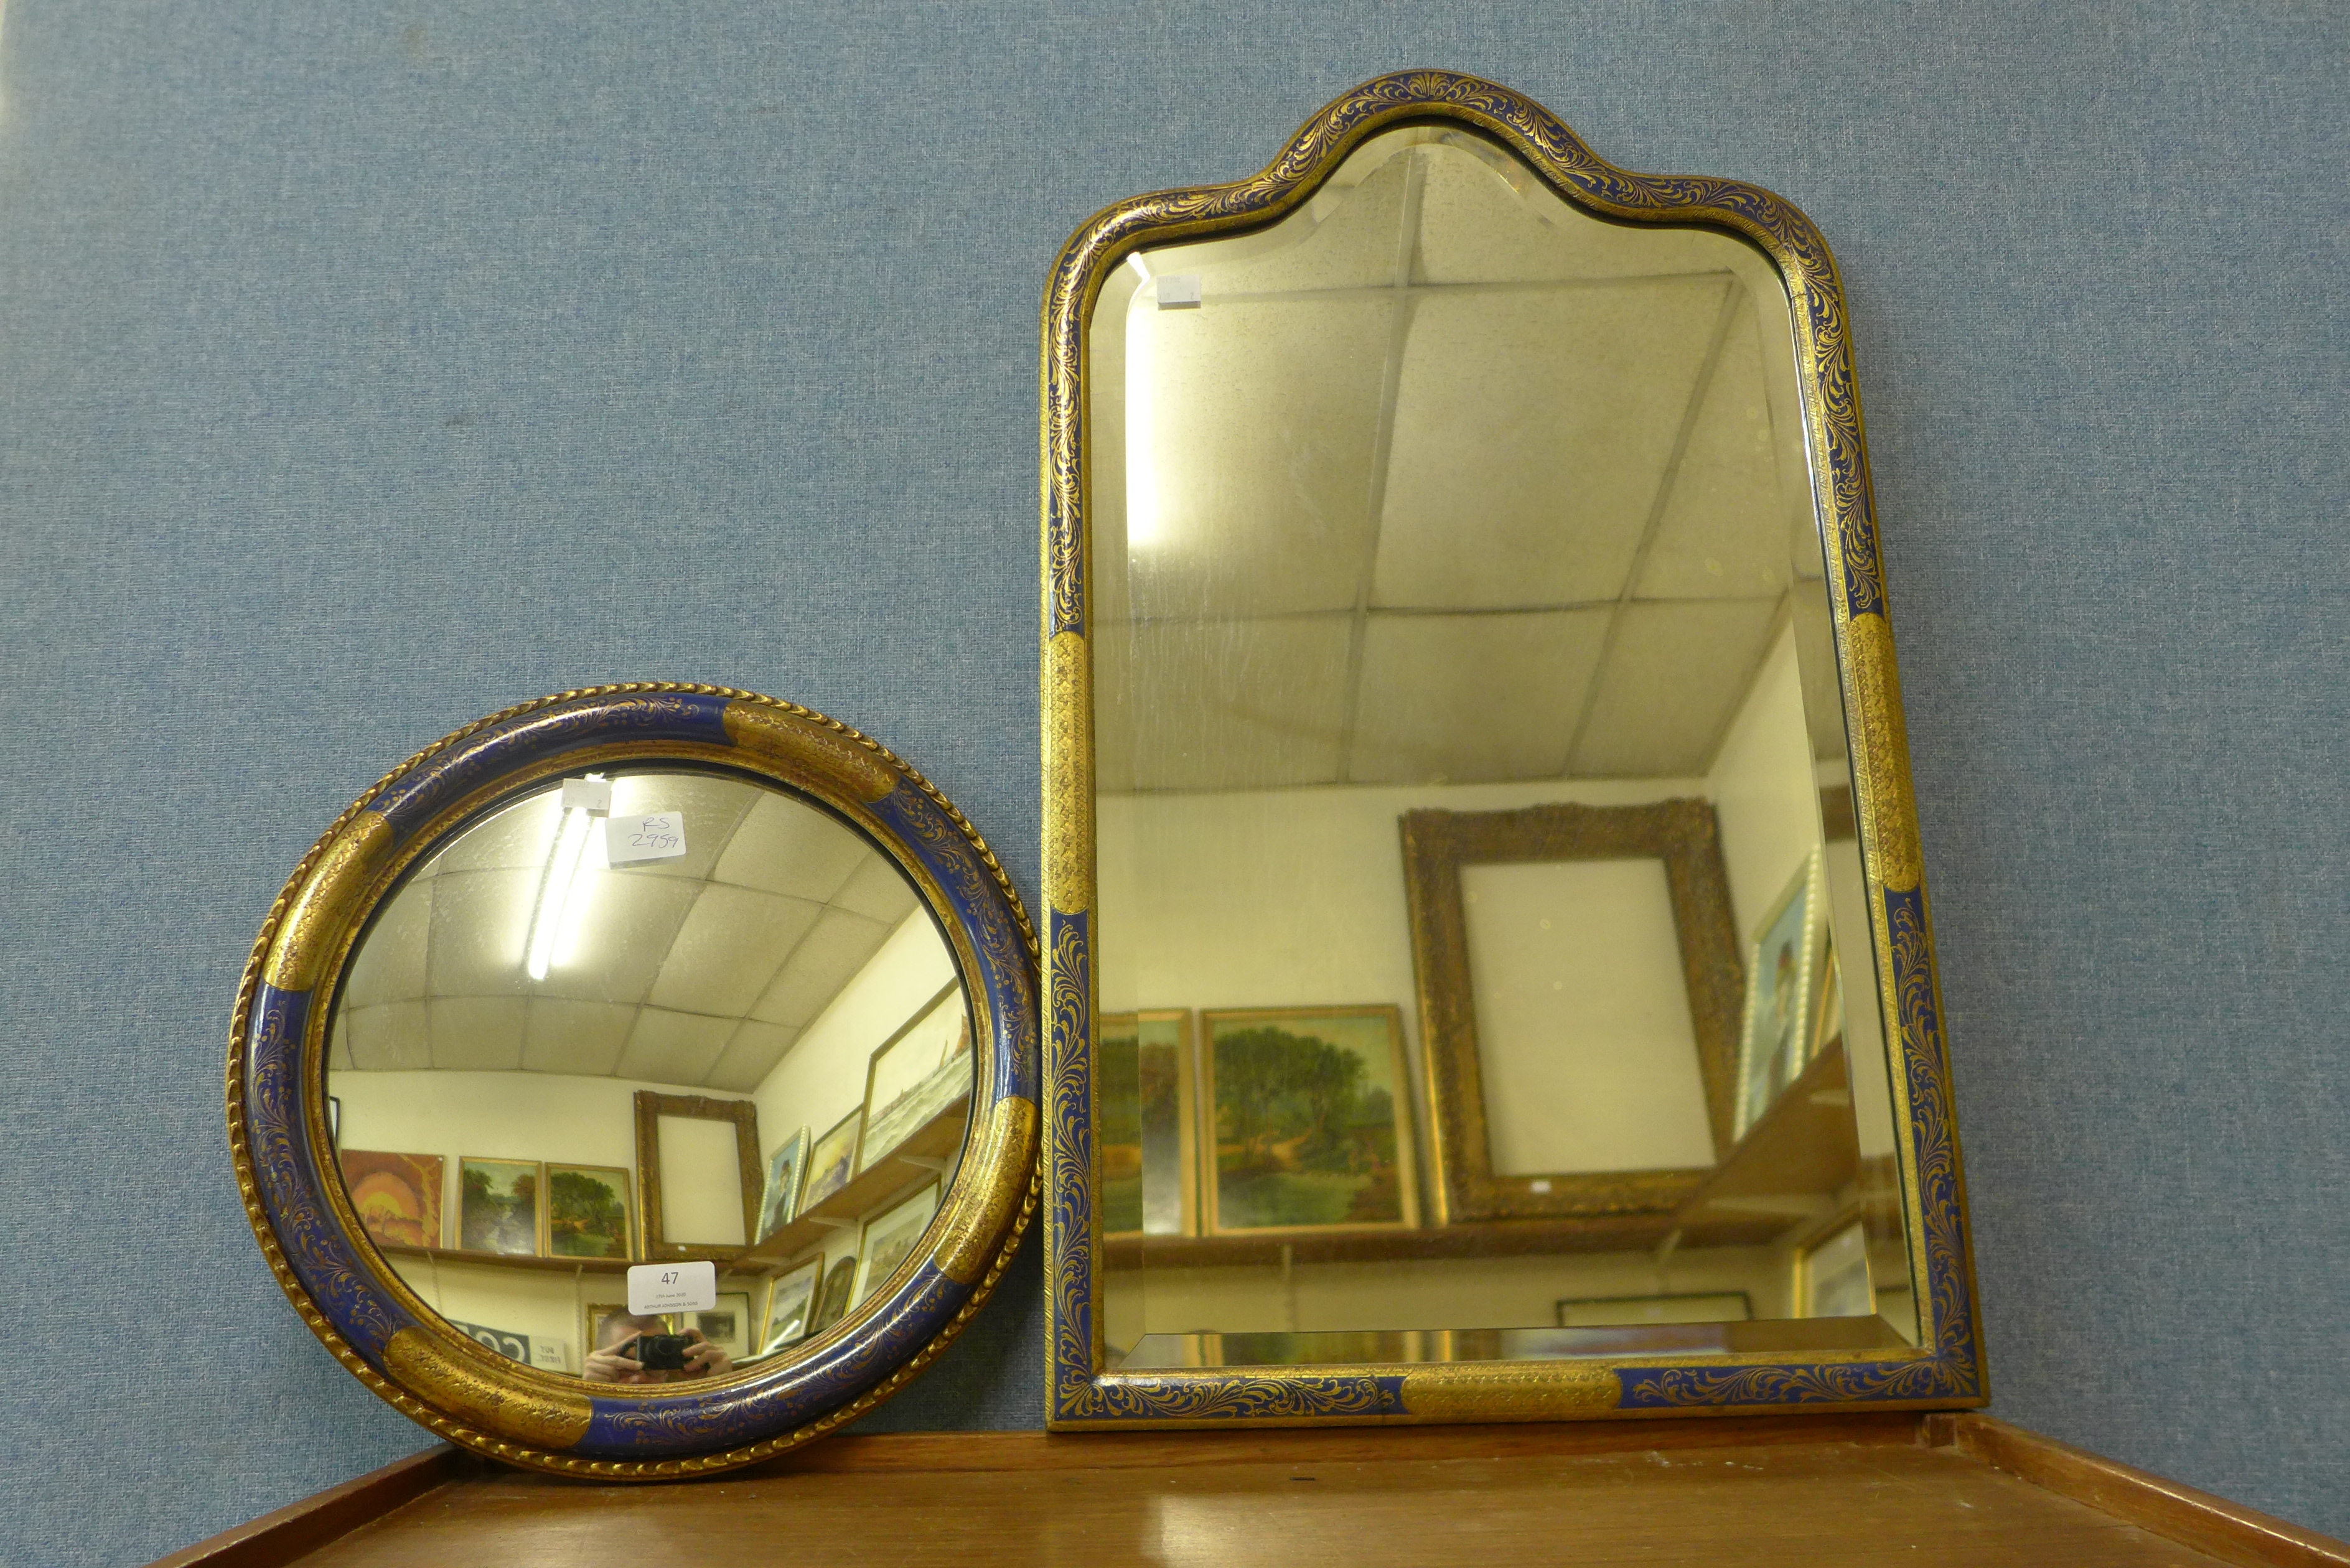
1082	1391
396	1345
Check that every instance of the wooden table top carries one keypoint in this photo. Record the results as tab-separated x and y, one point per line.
1822	1495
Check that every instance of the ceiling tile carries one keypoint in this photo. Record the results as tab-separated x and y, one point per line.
877	891
1477	699
396	1037
561	1035
477	1034
1260	422
751	1054
827	958
1531	432
1724	533
1675	672
674	1047
626	927
513	835
1252	704
785	846
731	943
481	932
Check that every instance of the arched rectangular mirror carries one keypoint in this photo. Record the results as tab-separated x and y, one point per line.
1488	971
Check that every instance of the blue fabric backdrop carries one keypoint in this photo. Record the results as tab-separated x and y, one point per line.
362	371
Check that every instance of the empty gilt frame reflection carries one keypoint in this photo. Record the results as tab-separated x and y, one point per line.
651	1107
1436	846
1740	1373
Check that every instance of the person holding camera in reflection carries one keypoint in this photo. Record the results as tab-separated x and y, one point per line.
630	1349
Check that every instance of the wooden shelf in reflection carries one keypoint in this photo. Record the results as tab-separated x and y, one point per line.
1804	1147
511	1261
1802	1152
936	1141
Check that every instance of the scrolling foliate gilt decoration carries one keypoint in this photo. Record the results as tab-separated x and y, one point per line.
1949	1372
346	1292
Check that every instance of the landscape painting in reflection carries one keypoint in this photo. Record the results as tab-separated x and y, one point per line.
1439	502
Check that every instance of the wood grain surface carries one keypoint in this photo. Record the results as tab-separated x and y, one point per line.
1819	1504
287	1534
2227	1531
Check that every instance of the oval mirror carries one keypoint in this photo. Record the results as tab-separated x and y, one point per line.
641	1082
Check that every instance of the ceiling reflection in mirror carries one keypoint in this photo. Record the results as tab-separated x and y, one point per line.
1484	960
643	1015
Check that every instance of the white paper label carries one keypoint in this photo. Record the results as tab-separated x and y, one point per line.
590	794
653	836
1178	291
673	1287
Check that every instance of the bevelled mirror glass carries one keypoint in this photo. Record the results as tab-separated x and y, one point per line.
1489	920
640	1082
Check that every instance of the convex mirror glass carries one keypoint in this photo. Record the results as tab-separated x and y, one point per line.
640	1082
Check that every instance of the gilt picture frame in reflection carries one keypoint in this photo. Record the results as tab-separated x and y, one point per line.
1148	1119
498	1205
785	1168
830	1162
791	1302
1303	1125
586	1211
1784	970
396	1196
914	1077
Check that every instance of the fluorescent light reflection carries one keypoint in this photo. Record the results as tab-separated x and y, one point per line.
1141	459
593	863
555	923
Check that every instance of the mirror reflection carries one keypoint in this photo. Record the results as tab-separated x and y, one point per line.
1485	965
642	1015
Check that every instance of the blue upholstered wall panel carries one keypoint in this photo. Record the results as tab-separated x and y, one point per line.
363	369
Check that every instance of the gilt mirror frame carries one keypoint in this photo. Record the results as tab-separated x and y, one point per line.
1682	835
416	1360
1083	1391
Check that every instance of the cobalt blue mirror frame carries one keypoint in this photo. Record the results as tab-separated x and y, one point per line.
1093	1381
339	1281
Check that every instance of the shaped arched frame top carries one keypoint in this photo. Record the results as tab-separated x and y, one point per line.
340	1280
1087	1387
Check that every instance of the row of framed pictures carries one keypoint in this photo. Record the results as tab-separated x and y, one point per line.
917	1073
1795	996
804	1300
505	1208
1250	1121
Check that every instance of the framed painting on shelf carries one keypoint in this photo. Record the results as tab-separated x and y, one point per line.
1782	977
586	1212
1147	1124
830	1162
791	1302
914	1076
498	1205
397	1196
786	1166
728	1325
1301	1107
833	1299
